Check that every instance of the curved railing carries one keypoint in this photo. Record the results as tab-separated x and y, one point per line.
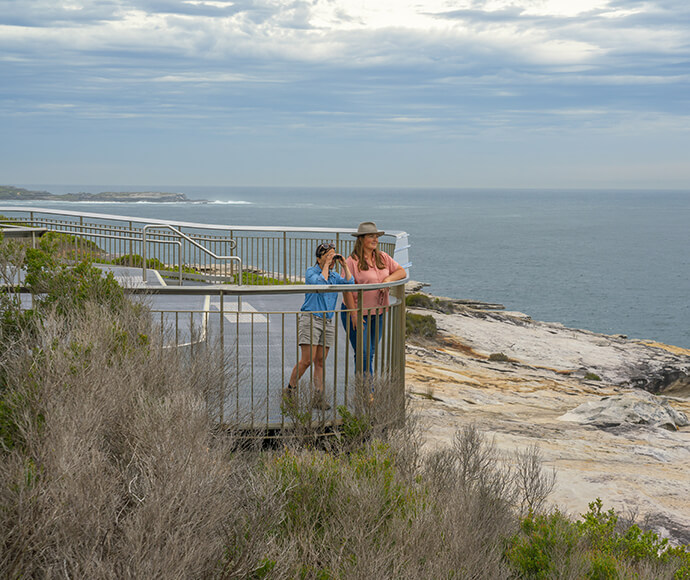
270	255
255	327
250	330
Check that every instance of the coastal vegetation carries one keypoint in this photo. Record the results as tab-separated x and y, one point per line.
420	325
111	466
419	300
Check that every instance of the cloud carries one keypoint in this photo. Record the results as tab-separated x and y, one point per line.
432	70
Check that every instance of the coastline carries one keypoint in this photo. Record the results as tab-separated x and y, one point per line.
11	193
609	414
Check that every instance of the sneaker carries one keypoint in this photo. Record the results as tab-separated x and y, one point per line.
319	402
290	395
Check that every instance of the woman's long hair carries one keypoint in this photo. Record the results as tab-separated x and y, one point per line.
358	254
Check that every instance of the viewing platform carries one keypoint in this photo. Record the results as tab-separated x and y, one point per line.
236	292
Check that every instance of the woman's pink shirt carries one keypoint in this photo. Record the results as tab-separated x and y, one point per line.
372	298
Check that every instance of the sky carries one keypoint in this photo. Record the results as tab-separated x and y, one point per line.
390	93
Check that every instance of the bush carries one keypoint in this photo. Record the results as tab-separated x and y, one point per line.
137	261
418	300
70	247
111	467
254	279
423	325
595	546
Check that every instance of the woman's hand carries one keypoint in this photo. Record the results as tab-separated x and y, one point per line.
399	274
353	320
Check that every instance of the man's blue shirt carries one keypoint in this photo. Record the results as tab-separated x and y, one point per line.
318	302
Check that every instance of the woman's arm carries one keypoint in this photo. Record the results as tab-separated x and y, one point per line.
398	274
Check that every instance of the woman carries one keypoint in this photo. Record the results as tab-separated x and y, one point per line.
368	265
315	332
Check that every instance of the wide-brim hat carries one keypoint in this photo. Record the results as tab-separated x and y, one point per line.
367	228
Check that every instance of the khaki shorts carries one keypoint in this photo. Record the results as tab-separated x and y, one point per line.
311	330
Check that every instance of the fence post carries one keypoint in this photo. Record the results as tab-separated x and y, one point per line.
222	358
359	353
285	274
399	350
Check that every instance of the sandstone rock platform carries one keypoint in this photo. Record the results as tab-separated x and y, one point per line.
610	414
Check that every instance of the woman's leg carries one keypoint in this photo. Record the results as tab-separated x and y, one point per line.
307	356
351	333
374	331
319	361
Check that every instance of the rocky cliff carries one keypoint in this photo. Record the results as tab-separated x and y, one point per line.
609	414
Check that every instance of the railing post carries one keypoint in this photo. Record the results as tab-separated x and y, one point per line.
359	354
222	357
400	330
180	251
285	275
143	253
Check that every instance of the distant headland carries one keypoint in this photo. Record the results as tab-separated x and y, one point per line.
8	192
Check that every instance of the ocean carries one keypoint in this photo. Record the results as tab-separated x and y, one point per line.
615	262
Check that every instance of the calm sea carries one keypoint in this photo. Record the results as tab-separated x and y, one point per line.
616	262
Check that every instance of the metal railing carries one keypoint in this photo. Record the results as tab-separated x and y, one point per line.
254	325
178	242
256	328
269	255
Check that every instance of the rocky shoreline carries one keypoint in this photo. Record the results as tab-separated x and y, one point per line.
610	414
18	194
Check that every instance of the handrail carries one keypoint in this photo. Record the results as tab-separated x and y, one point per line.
233	245
263	290
139	219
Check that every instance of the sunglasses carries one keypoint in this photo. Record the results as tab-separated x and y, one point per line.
321	249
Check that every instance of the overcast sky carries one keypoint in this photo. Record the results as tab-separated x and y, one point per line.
427	93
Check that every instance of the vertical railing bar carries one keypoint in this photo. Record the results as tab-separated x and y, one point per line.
389	337
375	338
251	334
221	331
359	353
285	272
282	362
335	356
191	333
347	355
268	368
311	357
237	365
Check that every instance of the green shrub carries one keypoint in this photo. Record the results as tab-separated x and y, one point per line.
418	300
499	357
254	279
592	377
548	543
70	287
603	567
354	428
70	247
542	539
420	325
136	261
